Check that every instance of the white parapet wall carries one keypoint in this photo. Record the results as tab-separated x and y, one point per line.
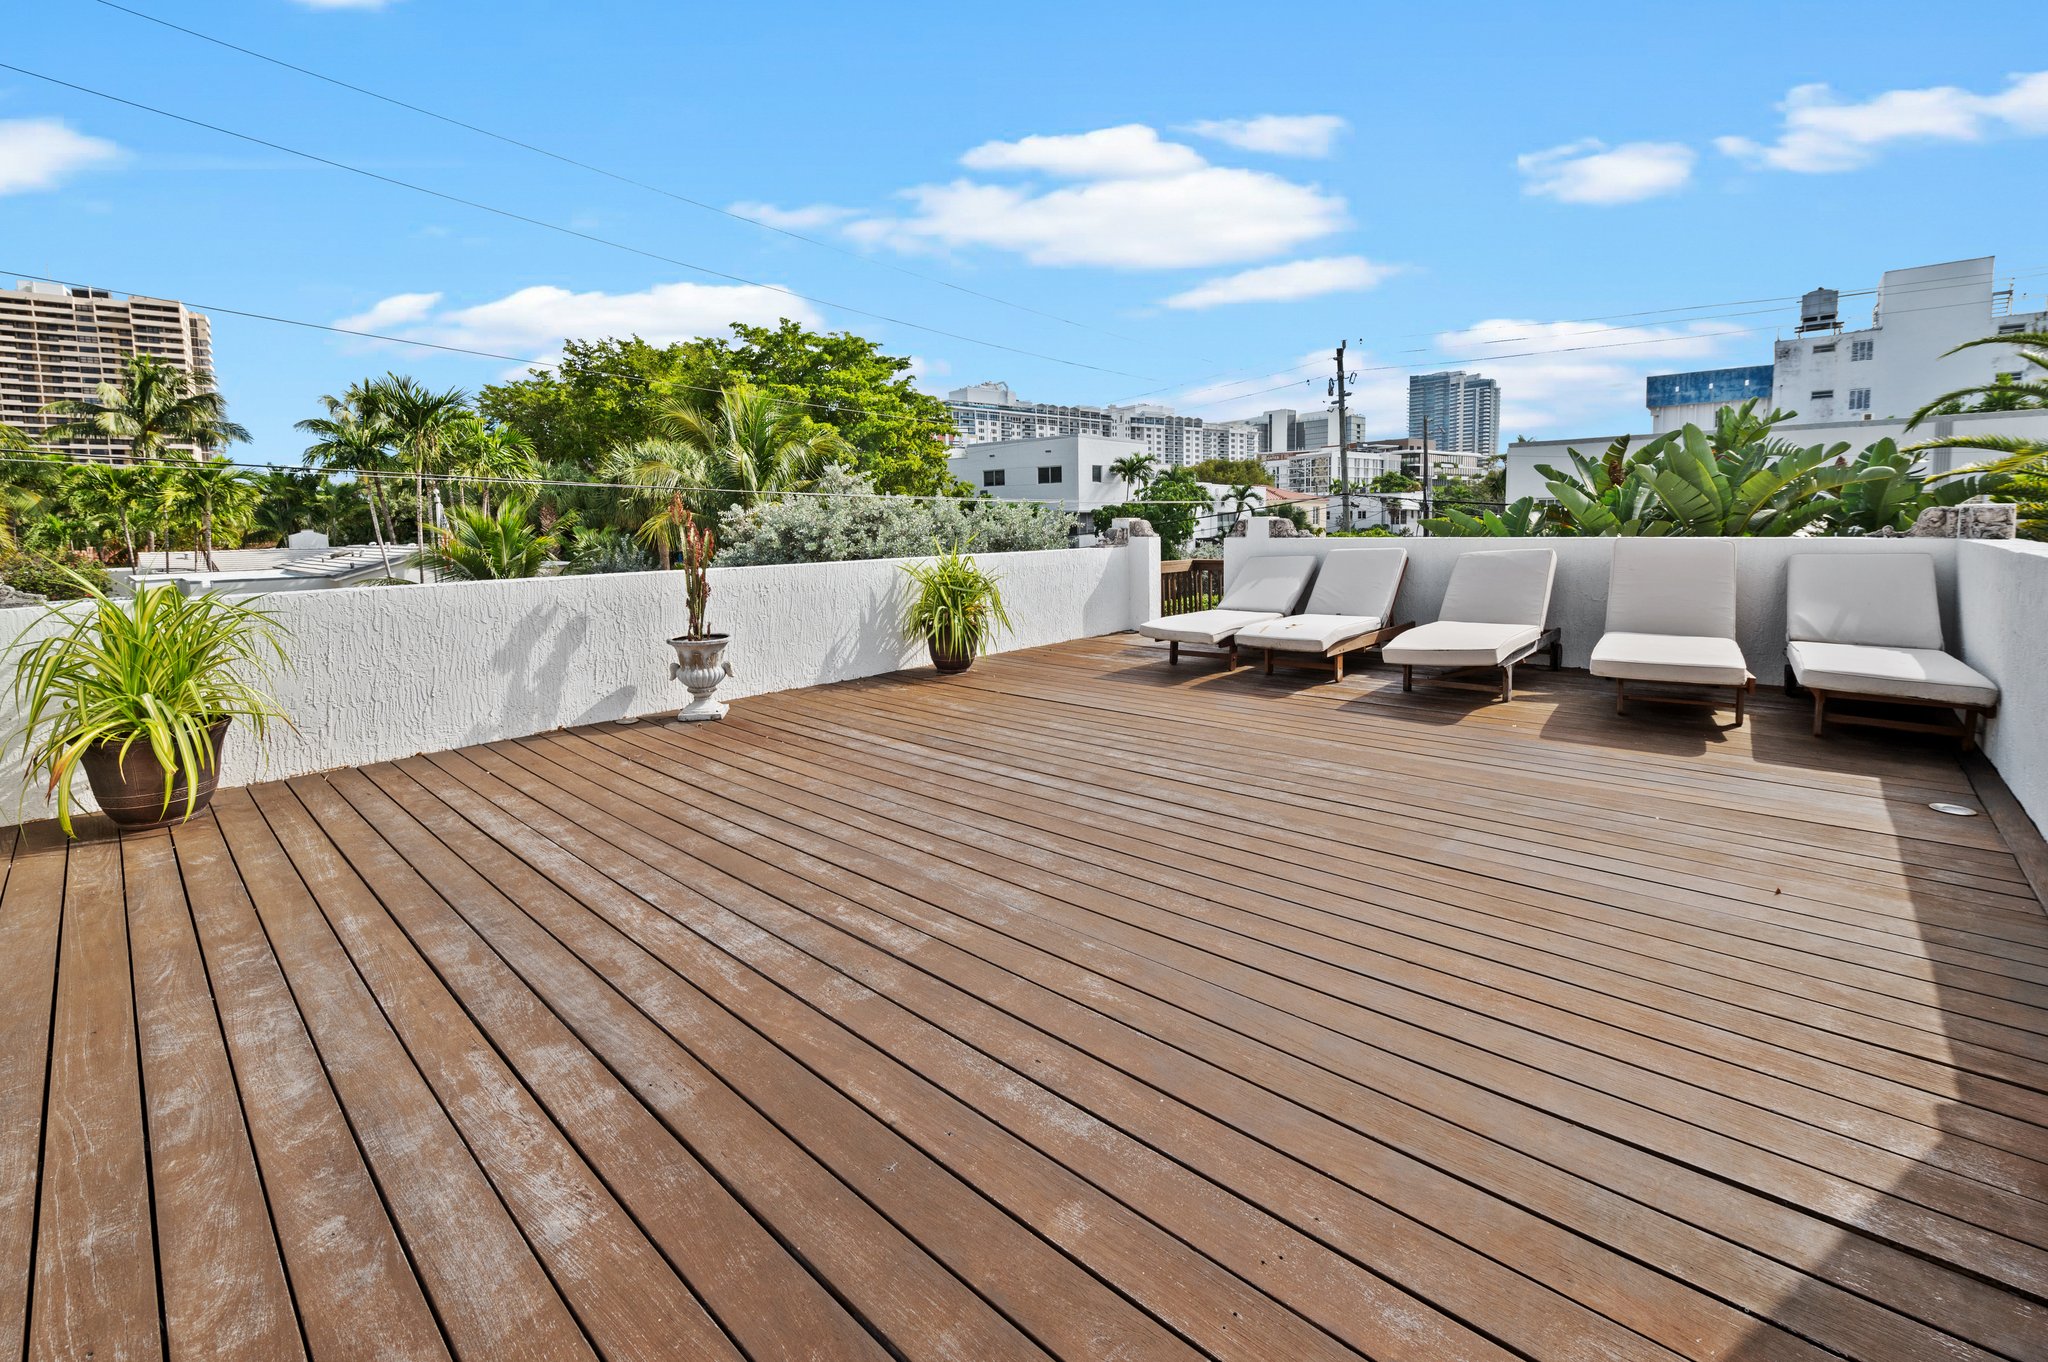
378	673
2002	591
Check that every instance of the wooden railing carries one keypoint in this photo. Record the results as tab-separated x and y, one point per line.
1190	584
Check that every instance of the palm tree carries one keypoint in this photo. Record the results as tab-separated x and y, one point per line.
156	406
1241	498
482	546
670	476
2021	456
421	423
492	454
221	494
753	445
353	437
109	493
1134	470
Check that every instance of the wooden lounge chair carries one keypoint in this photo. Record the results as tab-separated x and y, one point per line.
1494	614
1867	626
1349	611
1267	587
1671	621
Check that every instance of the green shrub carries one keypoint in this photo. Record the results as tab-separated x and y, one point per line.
845	520
54	575
609	550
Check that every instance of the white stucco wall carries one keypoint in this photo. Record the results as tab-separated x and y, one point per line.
383	672
2002	588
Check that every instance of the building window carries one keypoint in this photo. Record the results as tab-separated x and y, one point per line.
992	478
1825	349
1821	395
1859	399
1095	472
1051	472
1862	349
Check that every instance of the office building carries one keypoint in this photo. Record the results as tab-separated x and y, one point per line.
1461	412
58	342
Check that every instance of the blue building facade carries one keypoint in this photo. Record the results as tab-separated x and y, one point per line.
1721	387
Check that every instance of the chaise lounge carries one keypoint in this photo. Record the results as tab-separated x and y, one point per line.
1671	622
1347	612
1495	613
1868	627
1267	588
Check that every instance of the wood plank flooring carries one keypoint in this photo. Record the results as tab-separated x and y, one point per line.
1076	1007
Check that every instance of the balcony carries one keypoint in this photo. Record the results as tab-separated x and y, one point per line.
1078	1006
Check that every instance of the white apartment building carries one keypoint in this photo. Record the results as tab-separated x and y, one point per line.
1900	361
58	342
1072	472
987	413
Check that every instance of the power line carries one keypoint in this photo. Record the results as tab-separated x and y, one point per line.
564	159
515	216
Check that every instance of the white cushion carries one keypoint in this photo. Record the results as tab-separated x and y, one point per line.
1709	661
1672	586
1500	586
1454	643
1204	626
1307	633
1900	673
1271	583
1886	600
1357	581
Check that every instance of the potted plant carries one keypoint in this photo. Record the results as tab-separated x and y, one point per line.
957	610
700	657
140	693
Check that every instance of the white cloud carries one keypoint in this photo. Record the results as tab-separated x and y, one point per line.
1286	283
1276	134
1211	216
39	153
1590	171
1824	133
397	310
810	217
1130	151
536	320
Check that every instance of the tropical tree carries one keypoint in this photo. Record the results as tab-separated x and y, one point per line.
1171	504
668	477
1241	499
421	424
2021	459
1393	480
155	406
753	445
1134	470
1894	494
2003	392
219	494
482	545
492	454
112	494
352	437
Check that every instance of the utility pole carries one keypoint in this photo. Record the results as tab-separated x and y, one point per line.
1423	527
1343	434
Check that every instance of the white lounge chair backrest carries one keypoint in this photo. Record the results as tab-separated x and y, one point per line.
1501	586
1270	582
1683	587
1881	600
1357	581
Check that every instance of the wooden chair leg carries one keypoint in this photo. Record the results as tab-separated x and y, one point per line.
1173	652
1230	664
1557	653
1269	661
1507	681
1970	717
1339	661
1741	694
1620	696
1820	715
1407	678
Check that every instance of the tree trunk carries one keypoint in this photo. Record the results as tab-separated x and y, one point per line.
376	529
206	536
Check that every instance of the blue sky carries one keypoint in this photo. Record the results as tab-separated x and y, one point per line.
1204	197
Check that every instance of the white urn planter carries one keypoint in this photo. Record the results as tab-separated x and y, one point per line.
700	665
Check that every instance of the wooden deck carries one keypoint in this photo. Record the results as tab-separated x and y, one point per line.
1077	1007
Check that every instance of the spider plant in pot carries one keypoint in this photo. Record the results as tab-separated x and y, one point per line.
139	694
956	611
700	656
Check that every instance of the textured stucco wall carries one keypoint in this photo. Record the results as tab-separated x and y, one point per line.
2003	591
1578	600
385	672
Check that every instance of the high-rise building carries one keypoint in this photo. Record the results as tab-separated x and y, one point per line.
58	342
1463	411
987	413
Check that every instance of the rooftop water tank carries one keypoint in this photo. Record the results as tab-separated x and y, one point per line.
1820	310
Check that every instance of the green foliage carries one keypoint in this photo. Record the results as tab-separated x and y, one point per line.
843	519
1172	504
1394	481
158	669
1518	520
156	405
1289	512
609	550
1134	469
1375	532
1248	472
2001	393
1893	497
607	394
958	607
481	545
60	576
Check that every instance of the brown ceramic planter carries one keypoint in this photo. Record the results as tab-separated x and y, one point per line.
948	662
130	790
